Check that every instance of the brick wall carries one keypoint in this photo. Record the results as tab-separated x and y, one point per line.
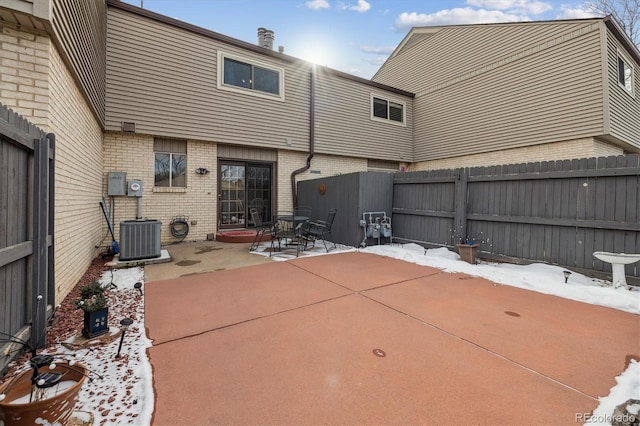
133	154
579	148
24	73
78	183
321	165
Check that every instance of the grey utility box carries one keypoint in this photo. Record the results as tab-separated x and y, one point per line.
139	239
117	184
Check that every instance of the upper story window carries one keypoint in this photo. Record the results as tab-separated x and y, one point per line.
387	110
625	74
247	76
170	163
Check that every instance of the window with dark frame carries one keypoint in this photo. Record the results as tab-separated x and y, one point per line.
248	76
388	110
170	163
625	75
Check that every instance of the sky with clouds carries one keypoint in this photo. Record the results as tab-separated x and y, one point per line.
354	36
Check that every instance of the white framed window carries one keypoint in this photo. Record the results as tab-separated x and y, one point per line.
388	110
247	76
170	163
625	74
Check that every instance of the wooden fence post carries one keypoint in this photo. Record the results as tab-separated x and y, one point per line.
40	247
460	206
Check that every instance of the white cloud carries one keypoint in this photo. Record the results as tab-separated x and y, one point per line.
457	16
377	60
377	49
362	6
318	4
579	12
533	7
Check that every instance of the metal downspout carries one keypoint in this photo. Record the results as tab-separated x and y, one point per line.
312	129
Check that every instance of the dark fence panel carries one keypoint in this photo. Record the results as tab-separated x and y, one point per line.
352	194
558	212
26	229
424	206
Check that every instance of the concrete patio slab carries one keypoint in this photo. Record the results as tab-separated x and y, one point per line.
194	304
556	337
293	343
190	258
316	365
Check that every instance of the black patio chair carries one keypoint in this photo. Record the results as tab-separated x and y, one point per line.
261	227
321	230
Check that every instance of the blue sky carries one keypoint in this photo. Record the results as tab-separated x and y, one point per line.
354	36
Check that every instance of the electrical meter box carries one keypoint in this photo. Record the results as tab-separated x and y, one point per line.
117	184
134	188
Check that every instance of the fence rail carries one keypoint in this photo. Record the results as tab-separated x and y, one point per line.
558	212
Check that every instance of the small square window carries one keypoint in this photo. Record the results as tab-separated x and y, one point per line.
625	75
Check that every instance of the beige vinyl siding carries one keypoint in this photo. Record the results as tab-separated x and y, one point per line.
246	153
624	109
455	51
163	78
80	28
545	91
344	125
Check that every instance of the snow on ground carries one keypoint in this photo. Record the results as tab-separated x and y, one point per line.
117	390
125	394
538	277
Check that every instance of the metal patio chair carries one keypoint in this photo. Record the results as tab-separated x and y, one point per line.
321	230
261	227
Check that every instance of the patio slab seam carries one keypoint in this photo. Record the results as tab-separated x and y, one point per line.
222	327
436	272
476	345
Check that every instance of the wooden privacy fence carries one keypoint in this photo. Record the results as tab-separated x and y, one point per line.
558	212
26	229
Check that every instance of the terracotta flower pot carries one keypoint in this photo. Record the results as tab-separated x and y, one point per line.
56	409
468	252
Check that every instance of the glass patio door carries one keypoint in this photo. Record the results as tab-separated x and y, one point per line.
232	195
259	190
242	186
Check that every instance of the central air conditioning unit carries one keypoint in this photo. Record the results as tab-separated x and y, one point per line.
139	239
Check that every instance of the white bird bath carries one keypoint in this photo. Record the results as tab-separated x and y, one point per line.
617	261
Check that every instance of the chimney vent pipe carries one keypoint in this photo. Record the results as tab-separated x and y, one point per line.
265	38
